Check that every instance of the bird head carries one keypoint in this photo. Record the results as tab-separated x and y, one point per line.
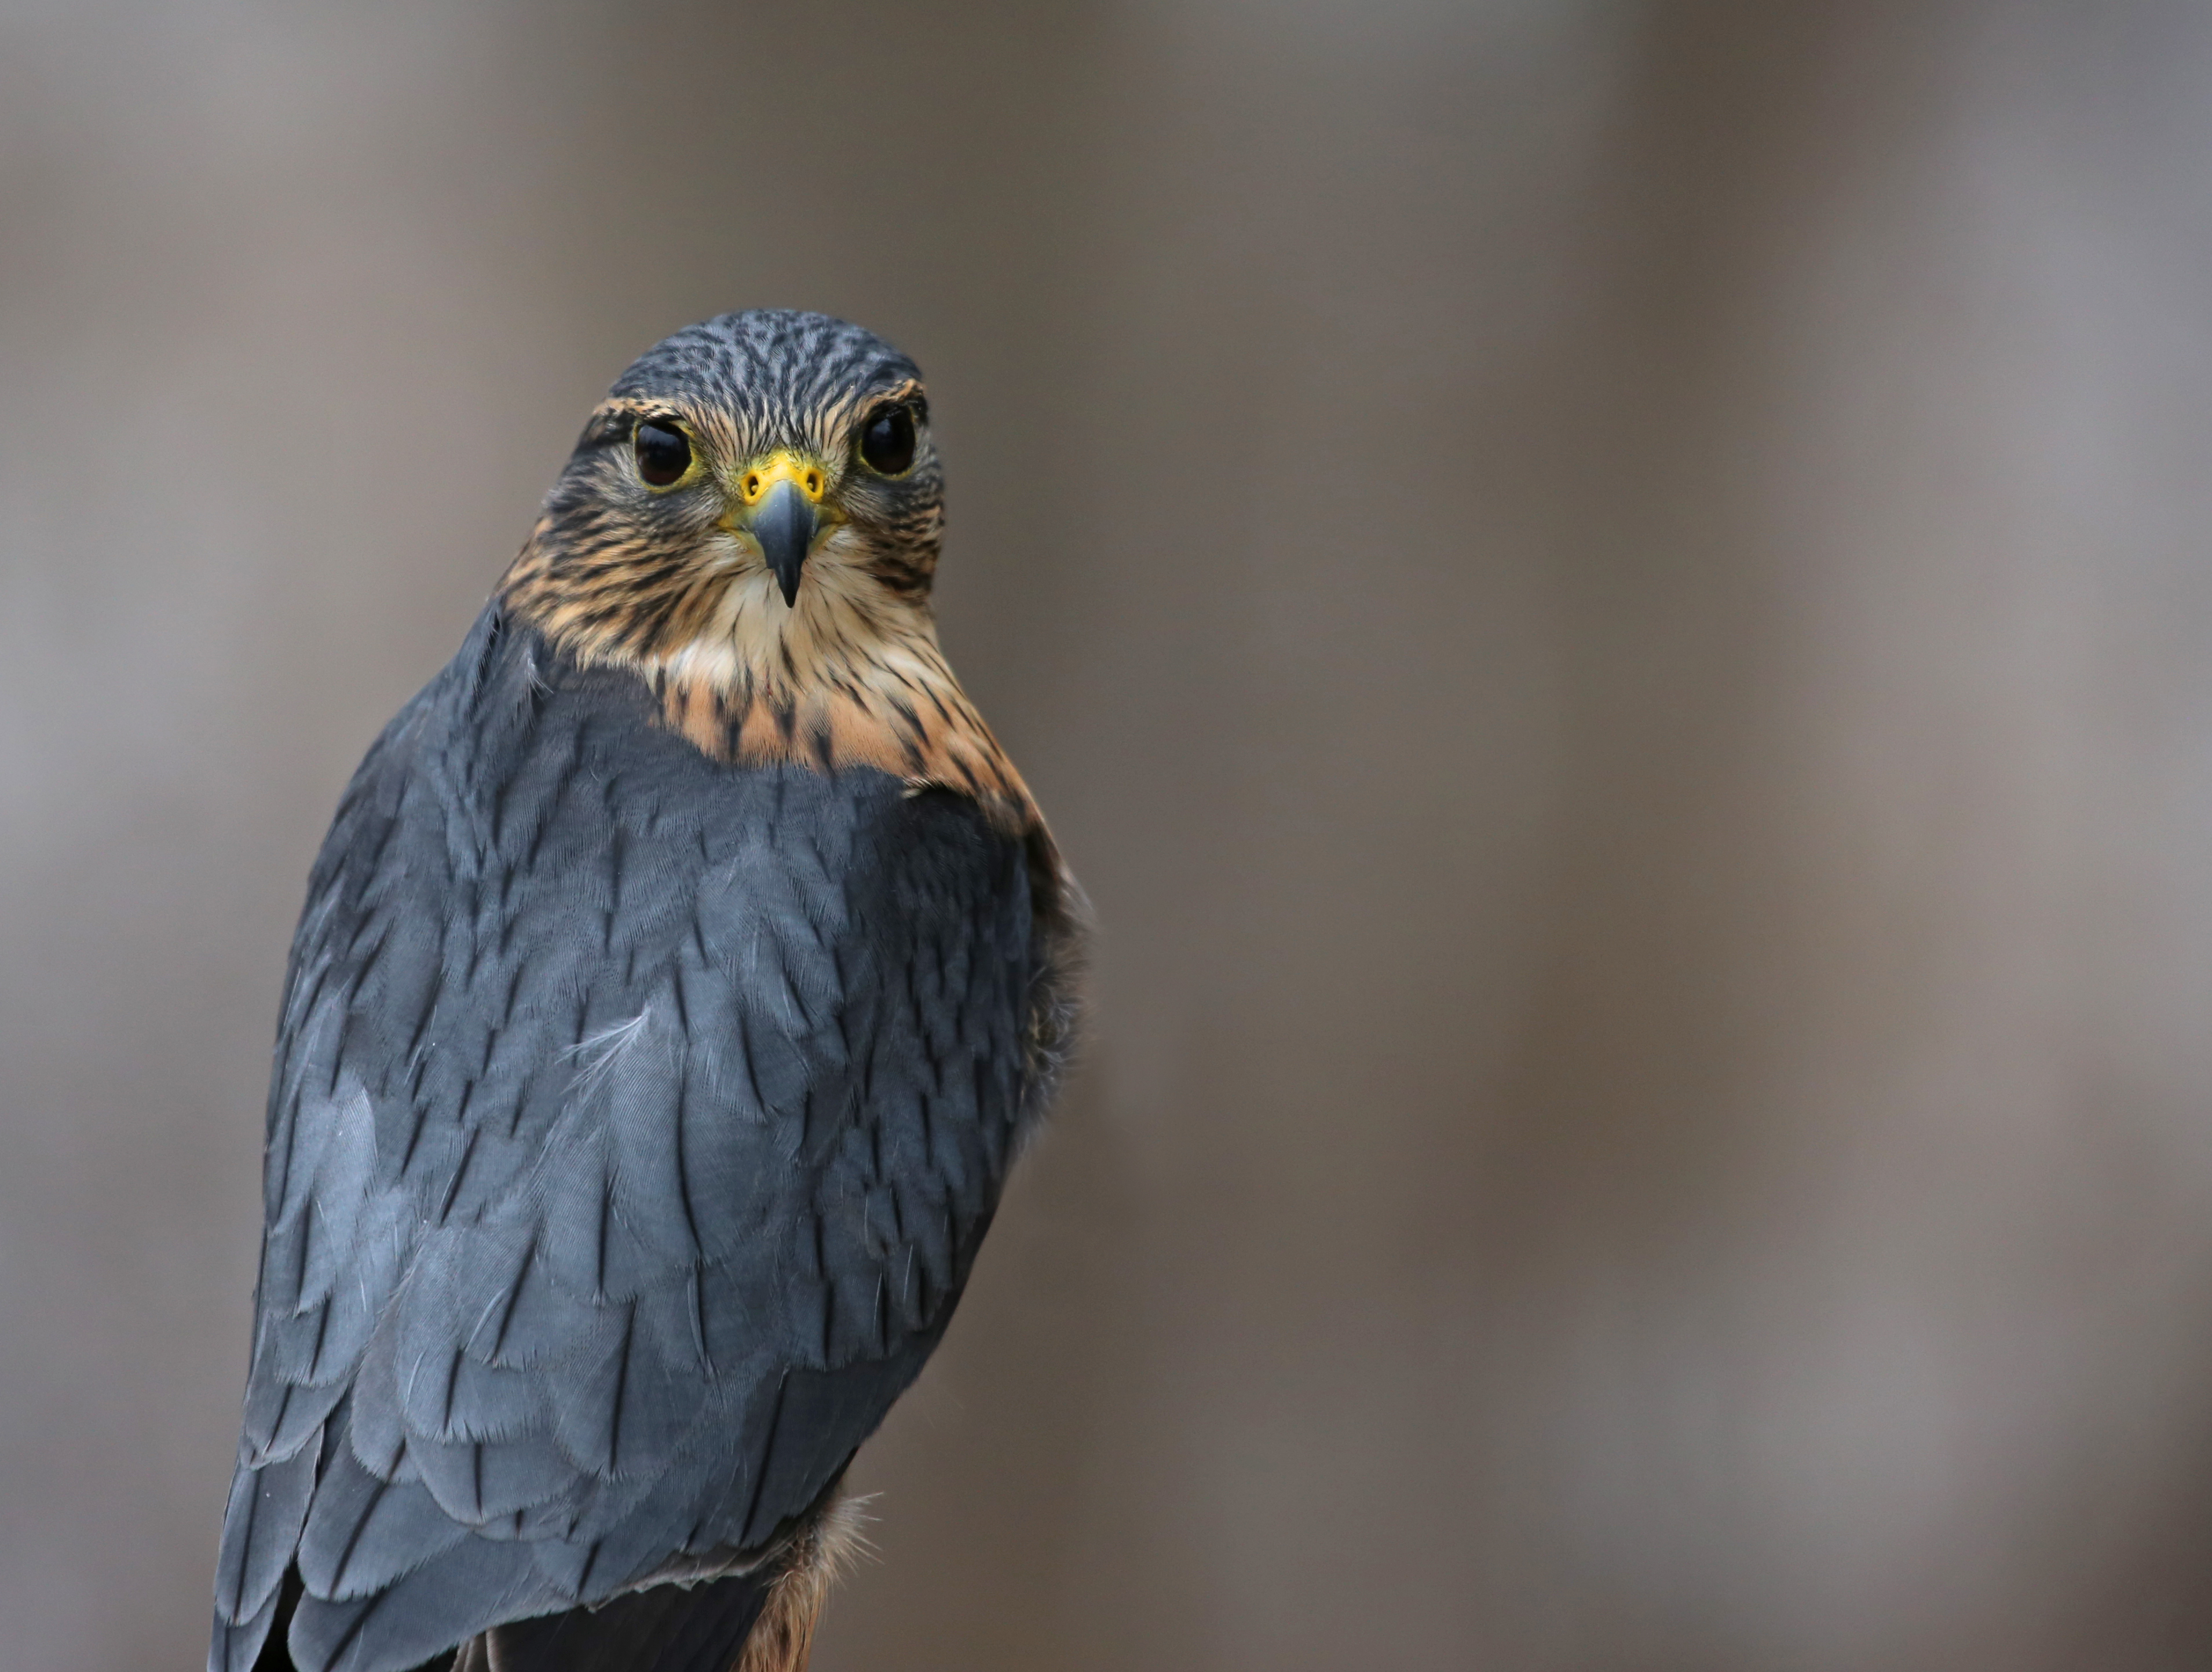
761	487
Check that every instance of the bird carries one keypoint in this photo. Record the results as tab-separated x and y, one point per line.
684	968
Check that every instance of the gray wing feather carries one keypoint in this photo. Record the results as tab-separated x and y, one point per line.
633	1124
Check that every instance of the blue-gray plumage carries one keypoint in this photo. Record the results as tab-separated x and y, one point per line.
639	1106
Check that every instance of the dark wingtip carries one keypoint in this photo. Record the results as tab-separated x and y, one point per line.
256	1643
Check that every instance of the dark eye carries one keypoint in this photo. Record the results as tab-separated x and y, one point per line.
887	442
663	454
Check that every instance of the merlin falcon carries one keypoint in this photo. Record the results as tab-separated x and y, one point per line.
681	974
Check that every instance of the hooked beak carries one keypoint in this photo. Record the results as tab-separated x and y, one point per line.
781	505
784	525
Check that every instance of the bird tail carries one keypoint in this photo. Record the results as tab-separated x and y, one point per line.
666	1628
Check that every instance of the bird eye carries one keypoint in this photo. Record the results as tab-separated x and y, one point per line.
887	441
663	454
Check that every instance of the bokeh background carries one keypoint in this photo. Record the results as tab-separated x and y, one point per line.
1612	599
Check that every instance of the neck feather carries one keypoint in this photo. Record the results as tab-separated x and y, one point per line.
851	676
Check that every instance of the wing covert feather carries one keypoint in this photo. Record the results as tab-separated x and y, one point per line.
634	1122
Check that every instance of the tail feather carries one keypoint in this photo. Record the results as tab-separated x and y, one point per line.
667	1628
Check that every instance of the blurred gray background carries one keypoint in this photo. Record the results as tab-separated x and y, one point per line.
1611	599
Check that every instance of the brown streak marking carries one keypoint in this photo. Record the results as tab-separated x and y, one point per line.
833	692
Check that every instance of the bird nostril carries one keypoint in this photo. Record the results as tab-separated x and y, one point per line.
813	485
750	486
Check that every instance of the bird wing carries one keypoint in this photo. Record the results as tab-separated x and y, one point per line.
633	1124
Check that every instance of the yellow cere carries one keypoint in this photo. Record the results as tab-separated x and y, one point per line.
784	465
